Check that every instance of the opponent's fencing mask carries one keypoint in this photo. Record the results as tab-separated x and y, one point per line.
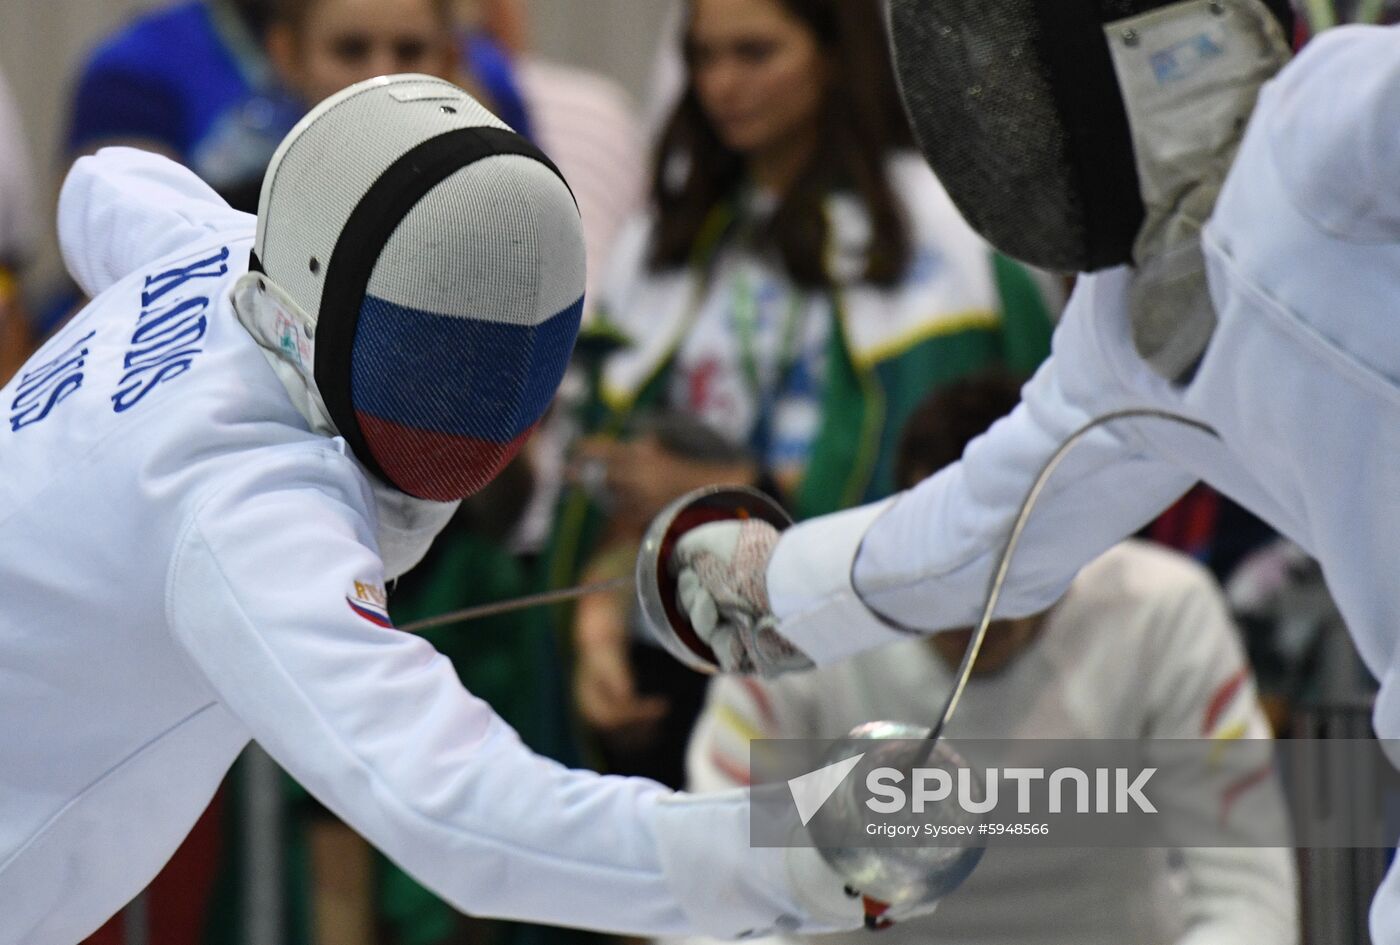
1081	134
430	264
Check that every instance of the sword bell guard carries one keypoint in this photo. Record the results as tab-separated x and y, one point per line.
656	585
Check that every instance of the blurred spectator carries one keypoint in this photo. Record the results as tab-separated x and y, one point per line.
318	47
1140	646
321	46
801	282
492	73
507	22
16	234
188	80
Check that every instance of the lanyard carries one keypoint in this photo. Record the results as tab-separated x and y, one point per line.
744	317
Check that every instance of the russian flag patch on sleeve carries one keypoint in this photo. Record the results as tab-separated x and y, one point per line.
370	602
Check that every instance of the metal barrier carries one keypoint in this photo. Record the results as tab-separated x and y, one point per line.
263	906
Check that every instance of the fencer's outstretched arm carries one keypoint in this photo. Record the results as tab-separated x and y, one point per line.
924	558
271	591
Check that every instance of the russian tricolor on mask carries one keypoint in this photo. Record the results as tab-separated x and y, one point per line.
443	407
439	263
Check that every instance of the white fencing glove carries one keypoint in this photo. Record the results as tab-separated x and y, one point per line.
733	889
721	583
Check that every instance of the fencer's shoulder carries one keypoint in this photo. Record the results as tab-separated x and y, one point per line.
133	173
1351	50
123	208
1328	125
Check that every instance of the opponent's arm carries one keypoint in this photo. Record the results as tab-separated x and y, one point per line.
926	561
273	591
923	560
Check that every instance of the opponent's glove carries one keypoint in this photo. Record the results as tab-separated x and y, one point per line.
721	586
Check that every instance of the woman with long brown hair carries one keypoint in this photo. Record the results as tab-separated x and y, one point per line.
800	283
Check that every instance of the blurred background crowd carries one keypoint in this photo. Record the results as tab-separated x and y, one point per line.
779	294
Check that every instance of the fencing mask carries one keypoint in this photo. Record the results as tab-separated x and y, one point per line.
1080	134
421	266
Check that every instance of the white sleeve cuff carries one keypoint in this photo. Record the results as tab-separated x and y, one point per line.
725	887
810	590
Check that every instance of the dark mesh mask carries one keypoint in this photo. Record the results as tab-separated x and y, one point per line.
1017	108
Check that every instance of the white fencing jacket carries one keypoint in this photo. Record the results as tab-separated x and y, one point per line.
184	566
1301	380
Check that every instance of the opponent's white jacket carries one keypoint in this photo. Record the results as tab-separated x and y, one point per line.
1301	380
185	566
1140	646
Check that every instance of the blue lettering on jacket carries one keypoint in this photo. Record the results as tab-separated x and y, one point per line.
163	347
46	386
161	284
166	339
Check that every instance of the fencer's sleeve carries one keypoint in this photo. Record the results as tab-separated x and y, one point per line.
922	560
1196	683
275	593
122	209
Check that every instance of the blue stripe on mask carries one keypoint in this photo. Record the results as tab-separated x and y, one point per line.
458	375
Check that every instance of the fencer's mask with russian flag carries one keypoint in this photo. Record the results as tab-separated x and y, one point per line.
1081	134
424	266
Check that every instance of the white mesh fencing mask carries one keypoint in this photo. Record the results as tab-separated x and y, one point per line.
437	262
